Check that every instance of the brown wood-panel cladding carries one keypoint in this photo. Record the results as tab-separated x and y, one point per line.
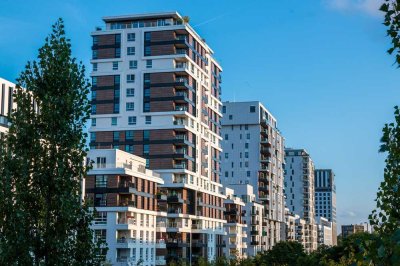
106	39
105	95
112	199
158	149
105	81
104	136
163	77
165	35
105	108
161	163
106	53
162	92
162	106
89	181
165	49
162	134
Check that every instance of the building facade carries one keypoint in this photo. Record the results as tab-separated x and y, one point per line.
128	218
253	153
300	192
6	103
348	230
325	232
156	94
235	228
325	198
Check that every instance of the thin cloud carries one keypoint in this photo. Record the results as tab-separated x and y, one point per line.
369	7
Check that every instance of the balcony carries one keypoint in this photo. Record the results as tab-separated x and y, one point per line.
263	188
175	199
182	83
254	243
181	108
127	203
180	166
266	151
161	197
160	260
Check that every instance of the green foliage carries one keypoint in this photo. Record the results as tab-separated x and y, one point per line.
391	8
44	220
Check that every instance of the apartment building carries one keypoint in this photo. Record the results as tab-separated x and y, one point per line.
253	153
348	230
290	225
236	233
128	217
300	191
325	232
156	94
325	198
6	103
254	217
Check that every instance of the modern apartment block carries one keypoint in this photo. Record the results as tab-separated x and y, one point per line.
156	94
325	232
254	218
6	103
300	189
325	198
253	153
290	229
348	230
124	193
236	233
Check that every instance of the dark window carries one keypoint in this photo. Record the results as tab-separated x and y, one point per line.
252	109
147	36
95	40
224	109
230	117
146	107
117	52
116	108
117	38
146	149
129	135
147	51
146	135
116	135
101	181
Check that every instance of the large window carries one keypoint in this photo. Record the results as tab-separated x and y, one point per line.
146	134
116	136
130	106
129	135
101	162
101	181
131	37
130	92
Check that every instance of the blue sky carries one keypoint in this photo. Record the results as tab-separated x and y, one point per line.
319	66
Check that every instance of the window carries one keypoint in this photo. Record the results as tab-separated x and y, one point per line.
149	63
94	109
148	120
94	66
147	36
95	54
117	52
130	78
101	162
101	181
116	108
226	155
146	149
248	173
92	136
226	174
94	95
130	92
116	93
115	66
95	40
224	109
94	81
117	38
226	137
100	234
146	78
246	155
114	121
130	106
93	122
132	120
252	109
147	50
248	136
246	145
246	127
131	37
230	117
146	107
116	136
146	92
129	135
133	64
129	148
131	50
146	135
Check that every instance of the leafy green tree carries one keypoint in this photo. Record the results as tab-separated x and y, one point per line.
283	253
391	9
44	220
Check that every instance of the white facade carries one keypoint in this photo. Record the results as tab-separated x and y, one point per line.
325	232
325	198
130	231
300	192
6	103
253	153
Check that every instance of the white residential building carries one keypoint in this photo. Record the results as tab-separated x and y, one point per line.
325	232
325	198
253	153
300	192
236	233
156	94
124	193
6	103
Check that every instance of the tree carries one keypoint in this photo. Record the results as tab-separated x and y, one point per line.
391	8
283	253
44	220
